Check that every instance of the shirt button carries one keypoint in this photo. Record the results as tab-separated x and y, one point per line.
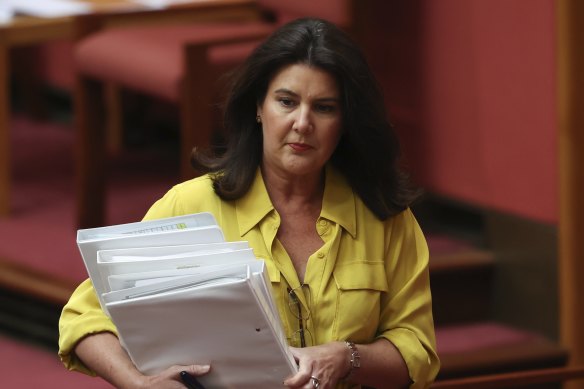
322	222
320	255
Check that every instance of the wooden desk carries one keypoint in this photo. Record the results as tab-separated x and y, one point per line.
24	30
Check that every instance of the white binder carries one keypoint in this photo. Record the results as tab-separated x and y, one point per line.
181	230
181	295
226	323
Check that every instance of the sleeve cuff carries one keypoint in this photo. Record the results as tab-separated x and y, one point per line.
422	364
92	323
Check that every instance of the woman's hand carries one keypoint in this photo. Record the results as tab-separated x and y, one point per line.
328	363
103	353
170	378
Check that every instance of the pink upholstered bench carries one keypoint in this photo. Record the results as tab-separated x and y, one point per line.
461	277
489	347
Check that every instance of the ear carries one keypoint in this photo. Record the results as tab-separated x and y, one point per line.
258	115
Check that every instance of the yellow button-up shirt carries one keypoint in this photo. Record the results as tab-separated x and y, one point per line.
368	280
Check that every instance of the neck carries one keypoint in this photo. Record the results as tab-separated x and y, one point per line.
292	192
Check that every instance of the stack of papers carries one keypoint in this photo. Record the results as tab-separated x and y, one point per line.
179	294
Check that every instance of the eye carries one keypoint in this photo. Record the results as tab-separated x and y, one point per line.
286	102
325	108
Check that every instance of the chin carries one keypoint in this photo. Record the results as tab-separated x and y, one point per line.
304	169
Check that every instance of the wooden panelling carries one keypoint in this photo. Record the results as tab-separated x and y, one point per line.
571	117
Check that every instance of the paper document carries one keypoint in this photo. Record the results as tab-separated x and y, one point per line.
179	294
6	13
190	262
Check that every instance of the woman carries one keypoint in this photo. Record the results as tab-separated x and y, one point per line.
310	179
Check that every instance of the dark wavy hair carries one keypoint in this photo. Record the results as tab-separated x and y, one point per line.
368	151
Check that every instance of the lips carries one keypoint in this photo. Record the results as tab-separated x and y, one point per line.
299	146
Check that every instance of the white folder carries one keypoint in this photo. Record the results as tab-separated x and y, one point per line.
225	324
188	260
162	252
181	230
131	280
179	294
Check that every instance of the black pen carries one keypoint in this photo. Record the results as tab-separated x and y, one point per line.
190	381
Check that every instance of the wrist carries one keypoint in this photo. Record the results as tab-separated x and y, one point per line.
134	380
354	358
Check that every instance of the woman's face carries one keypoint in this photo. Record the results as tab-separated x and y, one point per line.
301	120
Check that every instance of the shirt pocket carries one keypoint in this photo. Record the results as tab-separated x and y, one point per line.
359	287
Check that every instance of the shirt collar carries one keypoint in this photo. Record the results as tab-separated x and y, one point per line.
338	203
254	205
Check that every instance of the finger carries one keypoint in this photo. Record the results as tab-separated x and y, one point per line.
194	370
295	351
197	370
190	381
315	384
301	377
312	384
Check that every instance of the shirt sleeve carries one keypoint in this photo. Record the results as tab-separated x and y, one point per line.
406	315
168	206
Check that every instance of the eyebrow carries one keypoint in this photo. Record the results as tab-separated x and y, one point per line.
287	91
290	92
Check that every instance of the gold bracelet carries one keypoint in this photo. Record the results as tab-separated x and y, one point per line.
355	360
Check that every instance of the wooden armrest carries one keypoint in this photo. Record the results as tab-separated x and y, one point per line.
206	11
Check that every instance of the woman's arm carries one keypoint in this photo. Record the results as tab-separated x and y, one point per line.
88	343
381	365
103	353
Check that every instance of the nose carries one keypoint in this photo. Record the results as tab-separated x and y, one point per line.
303	120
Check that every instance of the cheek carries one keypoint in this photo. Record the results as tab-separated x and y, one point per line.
271	136
276	128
